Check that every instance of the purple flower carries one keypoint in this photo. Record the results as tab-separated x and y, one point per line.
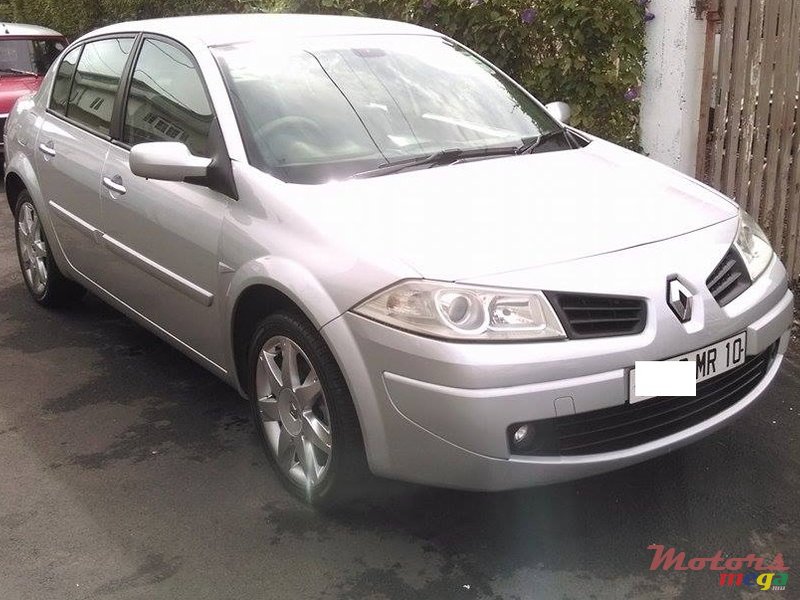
648	16
632	94
529	15
427	4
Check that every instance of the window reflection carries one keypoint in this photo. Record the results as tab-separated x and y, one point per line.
167	100
60	95
97	78
337	106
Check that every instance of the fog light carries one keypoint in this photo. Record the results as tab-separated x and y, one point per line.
523	434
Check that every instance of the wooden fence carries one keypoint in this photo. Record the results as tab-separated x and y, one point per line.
749	141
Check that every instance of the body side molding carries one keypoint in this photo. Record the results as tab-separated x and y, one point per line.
163	274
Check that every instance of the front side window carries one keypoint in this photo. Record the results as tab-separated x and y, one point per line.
97	78
61	87
167	100
334	107
28	56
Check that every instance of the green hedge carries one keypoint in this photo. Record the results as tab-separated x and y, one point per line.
589	53
74	17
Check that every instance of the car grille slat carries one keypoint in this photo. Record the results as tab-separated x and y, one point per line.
591	315
585	321
724	267
729	279
625	426
599	309
726	283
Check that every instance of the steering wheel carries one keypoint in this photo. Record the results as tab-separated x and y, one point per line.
272	127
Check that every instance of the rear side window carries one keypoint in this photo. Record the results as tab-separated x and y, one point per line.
94	89
58	100
167	100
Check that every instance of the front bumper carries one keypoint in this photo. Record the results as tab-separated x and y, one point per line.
437	413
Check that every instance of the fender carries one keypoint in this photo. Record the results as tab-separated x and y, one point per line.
19	164
286	276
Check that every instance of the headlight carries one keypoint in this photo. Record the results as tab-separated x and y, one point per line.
753	245
458	312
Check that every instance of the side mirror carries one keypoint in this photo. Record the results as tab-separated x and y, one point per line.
168	161
560	111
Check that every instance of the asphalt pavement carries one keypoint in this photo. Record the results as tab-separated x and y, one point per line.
128	472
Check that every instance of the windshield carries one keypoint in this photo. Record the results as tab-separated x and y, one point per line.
340	106
31	56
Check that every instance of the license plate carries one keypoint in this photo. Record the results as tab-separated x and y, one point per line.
710	361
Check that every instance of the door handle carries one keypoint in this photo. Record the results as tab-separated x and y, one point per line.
115	184
48	149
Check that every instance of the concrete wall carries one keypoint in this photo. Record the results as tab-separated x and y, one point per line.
671	90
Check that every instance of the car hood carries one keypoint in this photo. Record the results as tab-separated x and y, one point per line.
500	215
13	87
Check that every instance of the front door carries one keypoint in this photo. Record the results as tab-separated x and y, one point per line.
162	238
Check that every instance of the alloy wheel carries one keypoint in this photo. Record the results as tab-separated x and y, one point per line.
294	412
32	248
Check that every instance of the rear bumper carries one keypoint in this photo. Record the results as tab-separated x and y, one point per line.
438	413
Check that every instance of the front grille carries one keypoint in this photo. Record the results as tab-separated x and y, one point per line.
729	279
629	425
590	315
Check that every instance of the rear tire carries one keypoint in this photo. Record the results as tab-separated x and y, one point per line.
44	280
304	413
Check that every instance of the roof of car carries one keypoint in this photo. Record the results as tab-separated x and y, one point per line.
20	29
216	30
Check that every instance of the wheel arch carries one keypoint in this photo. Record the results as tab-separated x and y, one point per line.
14	186
253	304
20	175
262	287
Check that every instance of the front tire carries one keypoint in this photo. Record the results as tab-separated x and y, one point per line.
44	280
303	411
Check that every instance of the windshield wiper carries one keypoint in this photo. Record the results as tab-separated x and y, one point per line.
453	155
442	157
16	71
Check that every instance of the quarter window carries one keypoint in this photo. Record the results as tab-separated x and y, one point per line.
167	101
99	71
58	100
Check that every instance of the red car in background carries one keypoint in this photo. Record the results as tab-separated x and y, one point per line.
26	52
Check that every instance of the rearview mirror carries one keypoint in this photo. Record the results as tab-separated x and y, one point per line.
169	161
560	111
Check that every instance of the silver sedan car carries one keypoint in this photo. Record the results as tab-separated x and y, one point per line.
404	261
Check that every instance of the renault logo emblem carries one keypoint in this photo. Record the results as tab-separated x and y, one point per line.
679	299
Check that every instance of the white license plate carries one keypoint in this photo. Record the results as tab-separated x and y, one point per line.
710	361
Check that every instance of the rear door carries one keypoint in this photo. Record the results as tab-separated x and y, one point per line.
162	238
73	143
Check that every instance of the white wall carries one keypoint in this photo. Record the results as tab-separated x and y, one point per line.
671	90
